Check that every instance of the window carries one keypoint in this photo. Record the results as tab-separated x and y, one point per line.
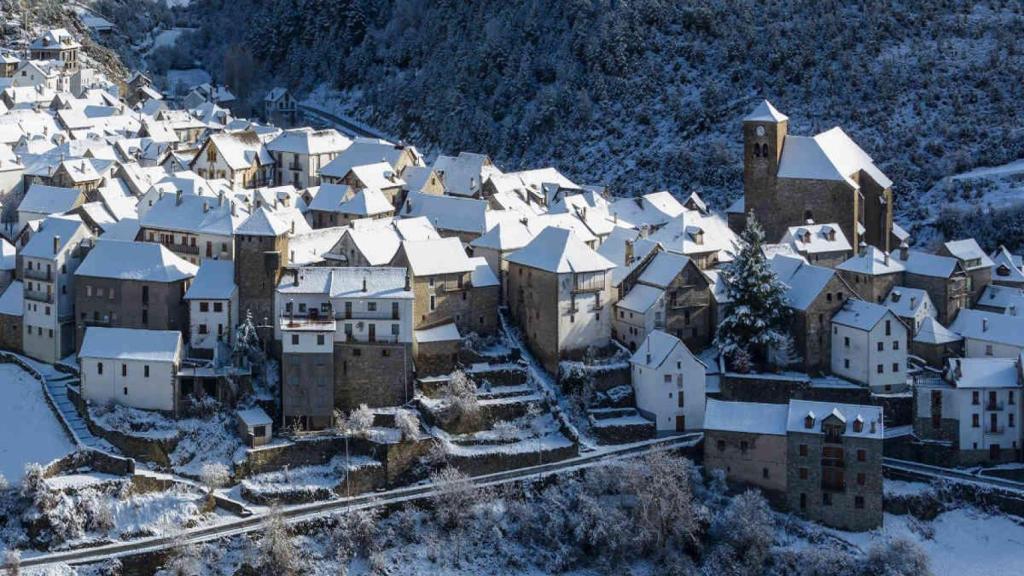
1010	400
861	479
895	366
319	339
743	446
295	339
826	498
125	390
862	455
433	302
721	443
803	449
895	344
124	369
803	501
858	502
357	352
764	473
881	346
394	329
203	329
668	380
988	349
371	306
99	368
888	327
975	397
803	473
975	421
205	306
145	316
846	363
145	371
218	306
1011	423
846	341
880	369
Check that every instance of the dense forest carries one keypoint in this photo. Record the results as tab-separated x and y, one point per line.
645	94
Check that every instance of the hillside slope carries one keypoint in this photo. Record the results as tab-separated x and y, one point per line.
648	94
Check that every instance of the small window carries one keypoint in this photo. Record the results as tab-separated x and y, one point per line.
764	473
975	421
881	346
218	306
125	390
858	502
371	306
862	455
124	369
743	446
895	366
145	371
99	368
357	352
846	341
320	339
895	344
861	479
803	473
880	369
803	501
803	449
205	306
721	445
295	339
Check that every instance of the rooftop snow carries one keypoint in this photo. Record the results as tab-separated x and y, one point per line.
803	281
663	269
482	275
655	349
765	112
309	141
969	252
434	257
143	261
12	300
215	280
348	282
443	333
641	298
748	417
931	332
984	372
905	302
559	250
43	199
989	327
814	238
873	262
830	155
62	226
870	416
860	314
130	344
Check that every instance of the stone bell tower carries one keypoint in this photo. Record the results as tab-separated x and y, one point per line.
764	133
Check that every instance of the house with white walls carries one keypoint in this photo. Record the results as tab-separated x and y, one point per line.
869	346
668	381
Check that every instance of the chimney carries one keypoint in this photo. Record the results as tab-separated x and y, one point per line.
295	278
629	252
913	302
220	198
234	212
956	369
293	227
364	283
904	251
56	244
885	257
984	324
408	282
206	206
287	201
177	198
1013	309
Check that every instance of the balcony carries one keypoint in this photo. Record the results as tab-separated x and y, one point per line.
994	430
378	339
37	296
37	274
308	323
182	248
994	406
833	485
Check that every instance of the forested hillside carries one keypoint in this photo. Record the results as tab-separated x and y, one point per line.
648	94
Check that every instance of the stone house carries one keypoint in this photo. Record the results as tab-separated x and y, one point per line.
376	242
81	174
747	441
640	312
379	176
340	205
8	64
464	175
502	239
365	151
989	334
137	368
346	338
1006	268
464	218
936	344
668	381
241	158
299	155
975	262
911	305
48	264
261	255
56	44
12	311
279	107
943	277
814	294
131	285
869	346
197	228
42	200
1002	299
687	301
975	405
788	180
872	273
559	294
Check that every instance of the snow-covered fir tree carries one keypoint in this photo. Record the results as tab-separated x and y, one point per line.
756	315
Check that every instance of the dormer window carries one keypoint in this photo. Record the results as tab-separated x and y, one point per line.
858	425
809	421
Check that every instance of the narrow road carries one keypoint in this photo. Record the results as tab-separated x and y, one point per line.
301	512
929	472
347	126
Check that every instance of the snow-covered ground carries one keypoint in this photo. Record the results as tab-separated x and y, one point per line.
29	430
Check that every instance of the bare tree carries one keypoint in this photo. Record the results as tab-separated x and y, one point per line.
408	424
455	496
276	548
12	563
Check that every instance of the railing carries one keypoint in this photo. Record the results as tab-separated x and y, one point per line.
37	296
833	485
994	430
182	248
994	406
378	339
37	274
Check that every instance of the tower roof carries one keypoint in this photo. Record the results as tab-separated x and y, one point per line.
765	112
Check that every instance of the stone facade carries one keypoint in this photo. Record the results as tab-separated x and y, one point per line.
10	332
949	295
810	327
129	304
259	263
307	389
688	308
871	288
753	459
375	374
837	484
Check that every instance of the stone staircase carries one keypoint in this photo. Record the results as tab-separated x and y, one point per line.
58	390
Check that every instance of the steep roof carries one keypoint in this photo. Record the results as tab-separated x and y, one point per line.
656	348
263	222
241	150
817	238
347	282
463	175
765	112
989	327
559	250
803	281
12	301
504	236
447	212
43	199
61	226
969	252
130	344
640	298
873	262
860	314
931	332
362	151
1003	297
366	202
663	269
1007	266
870	416
432	257
906	302
144	261
925	264
482	275
984	372
215	280
830	155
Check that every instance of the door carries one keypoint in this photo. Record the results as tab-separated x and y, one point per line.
993	452
936	409
680	423
373	332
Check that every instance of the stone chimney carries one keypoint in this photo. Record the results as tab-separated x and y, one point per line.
885	257
206	206
56	244
364	283
177	197
904	251
984	324
913	302
629	252
1012	309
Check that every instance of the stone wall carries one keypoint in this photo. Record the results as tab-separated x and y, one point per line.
10	332
436	358
771	389
308	388
533	305
492	462
163	309
375	374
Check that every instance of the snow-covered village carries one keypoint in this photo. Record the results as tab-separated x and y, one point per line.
390	287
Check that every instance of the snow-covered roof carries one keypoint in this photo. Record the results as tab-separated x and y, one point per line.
983	372
663	269
969	253
869	416
215	280
925	264
989	327
130	344
241	150
559	250
463	175
194	214
640	298
448	212
377	175
907	302
614	249
482	275
12	301
59	226
860	314
366	202
932	332
650	209
504	236
816	238
656	348
872	262
142	261
55	38
765	112
1002	297
309	141
8	255
1007	267
363	151
43	199
263	222
803	281
433	257
347	282
253	417
830	155
313	247
443	333
747	417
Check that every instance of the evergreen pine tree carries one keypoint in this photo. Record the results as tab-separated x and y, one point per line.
756	316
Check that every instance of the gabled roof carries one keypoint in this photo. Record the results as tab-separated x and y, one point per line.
765	112
347	282
817	238
830	155
983	372
1002	297
143	261
448	212
907	302
377	175
931	332
969	253
1007	266
12	301
240	150
43	199
482	275
641	298
58	226
925	264
989	327
869	416
263	222
558	250
215	280
432	257
803	281
872	262
192	213
366	202
130	344
465	174
663	269
861	315
504	236
656	348
309	141
363	151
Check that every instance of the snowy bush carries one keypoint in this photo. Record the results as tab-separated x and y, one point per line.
360	420
747	525
505	431
12	563
356	534
460	399
455	496
214	475
897	557
408	424
277	552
